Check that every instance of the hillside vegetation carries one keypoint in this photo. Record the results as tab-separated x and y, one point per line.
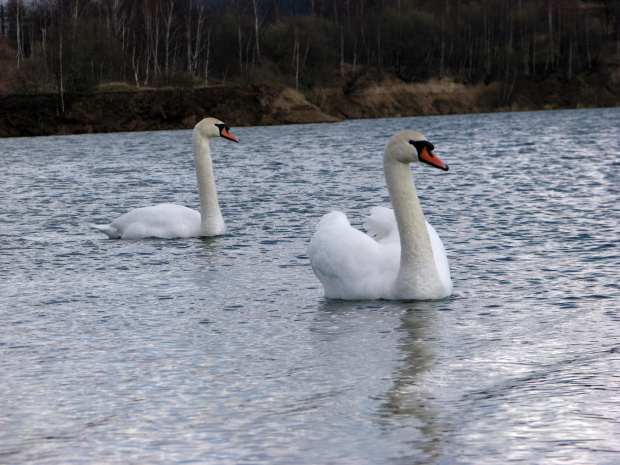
346	58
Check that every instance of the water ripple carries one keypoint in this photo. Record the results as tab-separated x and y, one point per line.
223	350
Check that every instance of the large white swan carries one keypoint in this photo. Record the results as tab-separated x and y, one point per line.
170	221
401	257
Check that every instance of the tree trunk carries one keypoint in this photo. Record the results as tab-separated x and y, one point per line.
296	57
207	58
341	51
168	18
188	36
18	27
550	50
61	87
379	47
198	43
256	24
135	64
240	46
2	23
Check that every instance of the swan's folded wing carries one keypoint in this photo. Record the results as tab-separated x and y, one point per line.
381	225
164	220
349	263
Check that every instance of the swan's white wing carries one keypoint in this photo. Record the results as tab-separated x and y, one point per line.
165	220
350	264
381	225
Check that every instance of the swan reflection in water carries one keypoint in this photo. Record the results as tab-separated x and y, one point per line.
390	377
410	397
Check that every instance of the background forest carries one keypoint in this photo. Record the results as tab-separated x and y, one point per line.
66	46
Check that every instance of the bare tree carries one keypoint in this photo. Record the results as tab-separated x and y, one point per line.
257	22
297	66
147	21
2	22
76	11
151	27
194	52
19	31
168	17
155	47
188	35
494	39
312	7
135	62
208	46
239	39
61	86
341	51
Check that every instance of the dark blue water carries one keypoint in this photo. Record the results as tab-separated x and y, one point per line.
223	350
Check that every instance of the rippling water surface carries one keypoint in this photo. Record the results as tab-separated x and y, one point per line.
224	350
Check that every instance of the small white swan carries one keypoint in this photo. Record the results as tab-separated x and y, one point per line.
401	257
170	221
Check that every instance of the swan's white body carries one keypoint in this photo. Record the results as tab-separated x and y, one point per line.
402	256
170	221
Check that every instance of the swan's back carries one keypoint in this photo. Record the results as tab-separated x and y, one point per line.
350	264
381	225
166	221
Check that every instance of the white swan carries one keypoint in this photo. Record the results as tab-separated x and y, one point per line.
170	221
401	257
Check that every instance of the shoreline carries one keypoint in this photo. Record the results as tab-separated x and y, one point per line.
108	111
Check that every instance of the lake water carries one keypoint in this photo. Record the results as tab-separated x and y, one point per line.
224	350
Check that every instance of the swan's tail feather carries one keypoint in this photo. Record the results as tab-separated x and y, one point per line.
381	225
107	229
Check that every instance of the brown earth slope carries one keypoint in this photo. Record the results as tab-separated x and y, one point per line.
144	110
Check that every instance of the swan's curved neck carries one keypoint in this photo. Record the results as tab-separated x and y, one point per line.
417	263
211	221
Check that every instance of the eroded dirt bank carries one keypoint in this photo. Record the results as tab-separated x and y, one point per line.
144	110
393	98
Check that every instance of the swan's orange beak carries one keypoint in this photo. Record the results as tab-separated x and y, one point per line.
430	158
227	135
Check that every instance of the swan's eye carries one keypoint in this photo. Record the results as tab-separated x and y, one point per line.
421	144
222	126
